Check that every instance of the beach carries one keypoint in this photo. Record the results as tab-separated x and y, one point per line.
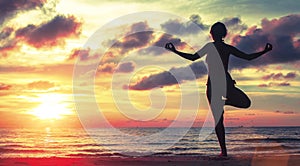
182	160
246	146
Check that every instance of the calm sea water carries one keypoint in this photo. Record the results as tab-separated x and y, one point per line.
51	142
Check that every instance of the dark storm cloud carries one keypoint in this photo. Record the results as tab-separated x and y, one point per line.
176	27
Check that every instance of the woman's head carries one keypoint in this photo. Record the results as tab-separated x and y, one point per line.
218	31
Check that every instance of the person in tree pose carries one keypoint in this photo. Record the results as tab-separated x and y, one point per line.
234	96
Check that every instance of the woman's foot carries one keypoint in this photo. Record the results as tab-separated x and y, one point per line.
223	154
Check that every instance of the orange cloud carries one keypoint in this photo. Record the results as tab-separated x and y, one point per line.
4	86
41	85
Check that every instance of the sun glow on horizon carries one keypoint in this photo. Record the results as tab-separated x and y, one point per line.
52	107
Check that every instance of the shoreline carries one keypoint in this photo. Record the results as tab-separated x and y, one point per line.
256	160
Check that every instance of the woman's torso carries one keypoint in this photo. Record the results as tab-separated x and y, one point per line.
224	52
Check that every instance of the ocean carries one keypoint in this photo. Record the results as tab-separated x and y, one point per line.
51	142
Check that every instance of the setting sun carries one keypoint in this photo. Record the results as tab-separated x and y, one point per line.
51	107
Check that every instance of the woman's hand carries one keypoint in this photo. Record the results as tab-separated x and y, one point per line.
171	47
268	47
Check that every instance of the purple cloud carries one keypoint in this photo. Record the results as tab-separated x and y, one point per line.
280	33
125	67
10	8
177	27
166	78
290	75
280	76
51	33
234	25
159	45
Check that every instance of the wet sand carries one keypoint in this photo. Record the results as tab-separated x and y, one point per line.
256	160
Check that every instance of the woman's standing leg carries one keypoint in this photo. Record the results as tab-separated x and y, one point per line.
220	131
219	128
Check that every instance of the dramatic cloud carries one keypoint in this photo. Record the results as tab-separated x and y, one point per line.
176	27
280	76
168	77
272	84
158	46
51	33
111	67
290	75
234	25
82	54
48	34
195	18
41	85
281	33
263	85
7	48
138	36
166	38
133	41
107	67
7	44
10	8
6	33
153	81
284	84
125	67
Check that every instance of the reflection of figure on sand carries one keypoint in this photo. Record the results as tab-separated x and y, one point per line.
234	96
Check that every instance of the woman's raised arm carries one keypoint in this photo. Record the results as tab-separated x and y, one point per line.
192	57
240	54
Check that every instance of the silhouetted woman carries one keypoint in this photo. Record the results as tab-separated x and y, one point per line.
234	96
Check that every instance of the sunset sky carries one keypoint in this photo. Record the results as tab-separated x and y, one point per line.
41	41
